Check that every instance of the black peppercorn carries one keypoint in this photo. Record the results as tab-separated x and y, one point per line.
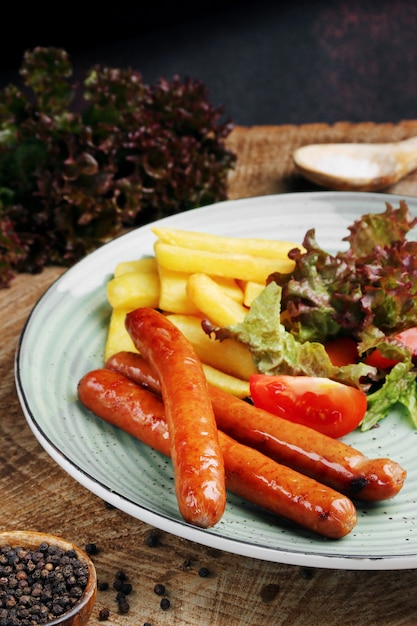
123	606
165	604
122	586
159	589
102	586
91	548
103	615
126	588
307	573
152	538
203	572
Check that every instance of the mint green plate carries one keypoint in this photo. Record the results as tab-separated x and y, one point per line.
64	338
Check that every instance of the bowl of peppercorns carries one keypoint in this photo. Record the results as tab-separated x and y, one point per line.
44	580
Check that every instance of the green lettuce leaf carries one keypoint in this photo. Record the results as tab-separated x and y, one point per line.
277	351
399	387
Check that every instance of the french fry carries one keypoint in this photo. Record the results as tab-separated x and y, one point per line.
251	290
270	248
144	265
212	301
230	287
220	263
133	290
173	295
226	382
228	355
118	339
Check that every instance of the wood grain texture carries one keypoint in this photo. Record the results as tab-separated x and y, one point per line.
36	494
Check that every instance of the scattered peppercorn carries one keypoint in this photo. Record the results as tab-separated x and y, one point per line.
203	572
124	606
103	615
152	538
39	585
159	589
126	588
102	586
121	575
122	586
91	548
307	573
147	624
165	604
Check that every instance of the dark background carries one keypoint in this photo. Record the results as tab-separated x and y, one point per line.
266	62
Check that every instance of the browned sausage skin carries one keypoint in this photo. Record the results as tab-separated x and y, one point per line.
326	459
329	461
196	455
121	402
286	492
249	474
135	367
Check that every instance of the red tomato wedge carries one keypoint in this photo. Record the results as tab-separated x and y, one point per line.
408	337
328	406
342	351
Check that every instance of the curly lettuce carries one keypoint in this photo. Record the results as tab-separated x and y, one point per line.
80	163
368	291
400	388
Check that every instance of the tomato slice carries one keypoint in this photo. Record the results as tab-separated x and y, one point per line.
342	351
408	337
328	406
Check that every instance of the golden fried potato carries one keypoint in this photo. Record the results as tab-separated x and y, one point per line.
229	355
213	302
118	339
270	248
220	263
133	290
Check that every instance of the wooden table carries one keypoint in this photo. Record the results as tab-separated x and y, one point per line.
37	494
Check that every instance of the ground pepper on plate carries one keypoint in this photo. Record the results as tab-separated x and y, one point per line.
39	585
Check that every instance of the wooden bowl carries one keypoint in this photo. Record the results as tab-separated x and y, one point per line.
80	613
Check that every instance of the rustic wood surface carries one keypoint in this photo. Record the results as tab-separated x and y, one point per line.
37	494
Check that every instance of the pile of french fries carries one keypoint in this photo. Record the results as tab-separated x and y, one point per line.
195	276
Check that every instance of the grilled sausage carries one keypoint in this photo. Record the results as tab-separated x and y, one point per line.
196	455
249	473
